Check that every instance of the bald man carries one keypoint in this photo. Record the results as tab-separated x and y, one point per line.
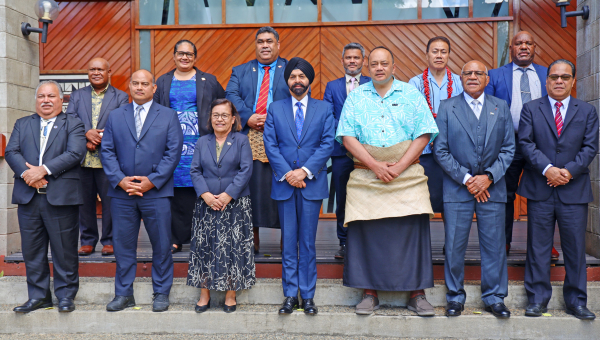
91	105
140	149
474	160
508	83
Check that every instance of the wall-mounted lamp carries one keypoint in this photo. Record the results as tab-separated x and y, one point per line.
47	11
584	13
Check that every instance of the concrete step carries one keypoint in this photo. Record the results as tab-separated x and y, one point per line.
13	291
261	320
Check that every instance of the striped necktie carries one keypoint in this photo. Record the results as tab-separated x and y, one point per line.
263	94
558	118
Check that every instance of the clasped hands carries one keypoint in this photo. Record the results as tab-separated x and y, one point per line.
35	176
94	139
216	202
296	178
557	176
478	186
137	188
386	171
257	122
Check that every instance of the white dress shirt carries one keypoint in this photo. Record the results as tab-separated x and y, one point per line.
563	113
145	110
349	81
477	112
535	88
304	103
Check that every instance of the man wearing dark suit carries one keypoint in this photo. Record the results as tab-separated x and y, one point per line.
251	91
336	91
298	137
559	139
140	149
92	104
45	151
474	148
508	83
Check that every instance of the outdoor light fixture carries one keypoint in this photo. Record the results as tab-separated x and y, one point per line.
47	11
584	13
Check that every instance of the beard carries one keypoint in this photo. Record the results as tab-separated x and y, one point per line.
352	73
299	90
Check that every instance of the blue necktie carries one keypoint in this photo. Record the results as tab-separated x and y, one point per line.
299	120
525	90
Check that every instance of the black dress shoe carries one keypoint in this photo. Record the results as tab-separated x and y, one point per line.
66	305
340	253
33	304
160	302
536	309
229	309
309	307
176	248
289	304
499	310
454	308
203	308
120	303
581	312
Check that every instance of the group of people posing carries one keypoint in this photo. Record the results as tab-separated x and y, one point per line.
208	166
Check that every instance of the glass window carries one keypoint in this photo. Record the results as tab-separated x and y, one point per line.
196	12
247	11
490	8
444	9
145	50
344	10
503	43
295	10
157	12
394	9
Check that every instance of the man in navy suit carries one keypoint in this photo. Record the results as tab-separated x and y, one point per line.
559	139
336	91
92	104
508	83
253	86
298	138
140	149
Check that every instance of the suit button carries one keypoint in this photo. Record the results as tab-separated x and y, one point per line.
294	162
298	146
219	165
219	178
558	151
476	164
137	146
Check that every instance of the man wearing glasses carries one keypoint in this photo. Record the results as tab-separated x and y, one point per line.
475	159
558	135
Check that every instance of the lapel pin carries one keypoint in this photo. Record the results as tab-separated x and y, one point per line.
492	113
228	143
203	78
279	66
54	126
253	69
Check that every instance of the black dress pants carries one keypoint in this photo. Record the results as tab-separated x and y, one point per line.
182	211
94	182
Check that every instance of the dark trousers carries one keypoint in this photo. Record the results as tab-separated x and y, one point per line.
94	183
513	174
341	167
542	217
435	182
182	211
299	218
127	215
41	223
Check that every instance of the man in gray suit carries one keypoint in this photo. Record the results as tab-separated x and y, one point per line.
475	159
92	104
44	151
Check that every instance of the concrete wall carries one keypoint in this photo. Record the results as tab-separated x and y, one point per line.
19	75
588	89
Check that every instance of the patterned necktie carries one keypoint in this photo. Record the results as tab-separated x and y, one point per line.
352	81
476	108
138	120
525	91
299	120
558	118
263	94
44	133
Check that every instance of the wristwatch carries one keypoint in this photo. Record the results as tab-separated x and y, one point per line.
490	177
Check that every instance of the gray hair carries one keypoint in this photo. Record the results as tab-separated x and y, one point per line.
46	82
267	29
561	61
354	46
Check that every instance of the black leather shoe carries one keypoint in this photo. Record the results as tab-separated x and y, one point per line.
309	307
581	312
160	302
536	309
340	253
203	308
499	310
33	304
120	303
66	305
229	309
454	308
176	249
289	304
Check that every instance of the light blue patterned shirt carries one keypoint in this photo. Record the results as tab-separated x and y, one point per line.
402	114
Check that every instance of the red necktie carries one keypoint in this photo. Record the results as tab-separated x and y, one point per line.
263	95
558	118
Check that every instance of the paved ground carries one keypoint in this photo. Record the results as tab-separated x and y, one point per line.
187	336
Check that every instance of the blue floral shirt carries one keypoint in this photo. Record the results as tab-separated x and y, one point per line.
183	100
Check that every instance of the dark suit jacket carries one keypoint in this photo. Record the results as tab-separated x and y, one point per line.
312	150
241	89
454	147
335	94
65	149
207	90
80	105
500	84
574	150
155	155
231	174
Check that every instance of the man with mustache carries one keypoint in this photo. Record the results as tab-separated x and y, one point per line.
92	104
517	83
385	125
45	152
298	140
474	148
336	92
253	86
559	139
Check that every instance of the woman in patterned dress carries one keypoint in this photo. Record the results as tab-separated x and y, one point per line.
221	252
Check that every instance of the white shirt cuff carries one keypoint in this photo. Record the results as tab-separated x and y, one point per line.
47	170
283	178
546	169
467	176
308	173
22	173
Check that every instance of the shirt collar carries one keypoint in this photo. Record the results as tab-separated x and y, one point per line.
101	92
304	101
530	67
52	120
469	99
272	65
357	77
432	79
396	86
565	102
146	106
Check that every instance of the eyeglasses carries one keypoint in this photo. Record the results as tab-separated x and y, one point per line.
185	54
224	116
477	73
564	77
